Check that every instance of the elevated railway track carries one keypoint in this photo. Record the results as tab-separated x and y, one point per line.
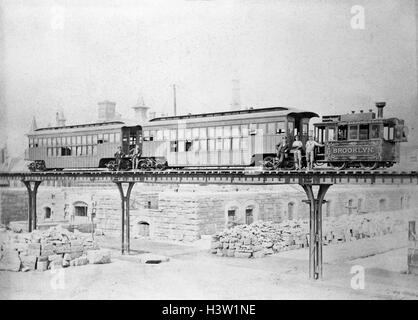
315	183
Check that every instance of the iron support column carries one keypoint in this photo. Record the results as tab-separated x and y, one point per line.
126	239
315	229
32	191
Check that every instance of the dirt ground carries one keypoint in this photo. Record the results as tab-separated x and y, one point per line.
193	273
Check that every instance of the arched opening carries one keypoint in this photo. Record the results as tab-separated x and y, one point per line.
290	210
382	204
47	213
360	205
143	229
231	217
249	215
80	209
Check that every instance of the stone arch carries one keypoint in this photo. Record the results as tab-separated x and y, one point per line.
143	229
80	211
47	212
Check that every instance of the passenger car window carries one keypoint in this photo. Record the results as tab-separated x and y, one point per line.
235	131
227	132
202	133
211	132
219	132
244	130
227	144
364	132
203	145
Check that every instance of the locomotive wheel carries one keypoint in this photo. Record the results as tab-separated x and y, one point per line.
369	165
289	165
32	167
338	165
268	163
111	165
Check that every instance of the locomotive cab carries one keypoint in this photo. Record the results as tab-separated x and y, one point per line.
360	139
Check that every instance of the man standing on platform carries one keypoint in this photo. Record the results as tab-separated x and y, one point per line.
310	151
118	157
281	149
297	152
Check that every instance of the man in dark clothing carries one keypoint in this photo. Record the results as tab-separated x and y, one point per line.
136	155
118	157
281	149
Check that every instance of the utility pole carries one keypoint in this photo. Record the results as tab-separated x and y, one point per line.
175	104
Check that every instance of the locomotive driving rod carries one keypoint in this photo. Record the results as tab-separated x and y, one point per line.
315	228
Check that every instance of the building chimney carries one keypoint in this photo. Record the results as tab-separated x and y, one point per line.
236	96
140	110
33	125
152	114
106	110
380	106
60	119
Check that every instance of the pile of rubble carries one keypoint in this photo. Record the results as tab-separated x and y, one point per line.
260	238
264	238
48	249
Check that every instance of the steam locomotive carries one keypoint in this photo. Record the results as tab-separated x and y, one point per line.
240	138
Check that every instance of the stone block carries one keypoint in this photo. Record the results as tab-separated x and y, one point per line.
76	243
81	261
10	261
47	247
99	256
34	246
230	253
28	261
76	249
65	248
259	254
54	257
42	265
240	254
56	263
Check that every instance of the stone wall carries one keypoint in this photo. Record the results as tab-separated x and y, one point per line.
184	212
13	204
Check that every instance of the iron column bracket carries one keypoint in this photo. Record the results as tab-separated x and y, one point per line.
125	197
32	192
315	228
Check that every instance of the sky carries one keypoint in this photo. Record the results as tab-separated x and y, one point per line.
308	54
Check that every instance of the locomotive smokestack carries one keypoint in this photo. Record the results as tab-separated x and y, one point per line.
380	106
